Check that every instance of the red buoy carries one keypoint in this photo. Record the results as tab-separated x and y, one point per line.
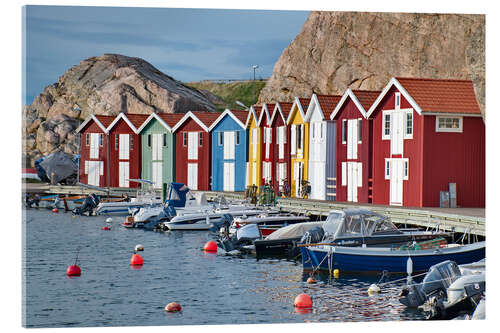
303	301
106	228
73	270
136	260
210	246
55	210
173	307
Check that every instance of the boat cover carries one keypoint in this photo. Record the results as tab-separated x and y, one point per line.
293	230
59	166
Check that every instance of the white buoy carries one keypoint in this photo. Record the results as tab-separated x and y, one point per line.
109	220
139	247
373	289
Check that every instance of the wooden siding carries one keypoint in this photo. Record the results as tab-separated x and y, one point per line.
168	152
240	155
92	127
121	127
278	122
203	161
297	158
251	160
454	158
331	182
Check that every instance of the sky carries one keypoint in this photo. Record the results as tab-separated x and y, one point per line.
187	44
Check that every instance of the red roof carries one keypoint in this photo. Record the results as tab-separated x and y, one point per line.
285	108
304	102
171	118
205	117
105	120
440	95
366	97
328	104
137	119
242	115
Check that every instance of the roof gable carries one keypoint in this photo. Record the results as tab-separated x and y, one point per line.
253	111
325	104
298	104
265	110
132	120
231	113
363	99
434	96
102	121
202	118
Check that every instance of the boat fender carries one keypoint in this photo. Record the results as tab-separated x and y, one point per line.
210	246
173	307
303	301
336	273
55	210
139	247
106	228
73	270
109	220
136	260
311	280
373	289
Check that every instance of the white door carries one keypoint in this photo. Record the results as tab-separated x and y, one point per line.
268	135
193	176
157	174
255	133
352	139
396	179
254	173
94	145
193	138
94	172
397	134
123	174
281	141
281	173
228	177
124	148
298	176
353	180
157	147
229	145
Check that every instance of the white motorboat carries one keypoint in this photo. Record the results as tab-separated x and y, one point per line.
146	196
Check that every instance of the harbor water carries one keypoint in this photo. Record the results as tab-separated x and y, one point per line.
212	289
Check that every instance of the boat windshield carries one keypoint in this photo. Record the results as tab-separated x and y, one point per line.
332	223
377	224
221	202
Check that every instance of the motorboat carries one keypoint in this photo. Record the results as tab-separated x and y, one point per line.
241	242
282	242
448	290
146	196
269	222
359	240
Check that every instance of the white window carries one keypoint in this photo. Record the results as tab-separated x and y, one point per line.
397	103
184	139
406	169
237	137
449	124
386	125
360	131
101	139
201	138
221	138
87	140
387	168
344	130
409	125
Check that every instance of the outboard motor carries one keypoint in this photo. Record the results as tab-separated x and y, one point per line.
166	214
224	223
90	202
315	235
244	236
437	280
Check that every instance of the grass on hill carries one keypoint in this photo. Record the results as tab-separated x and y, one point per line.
246	92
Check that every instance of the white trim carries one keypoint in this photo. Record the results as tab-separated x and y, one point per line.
349	93
223	114
406	164
397	100
192	116
386	136
360	128
310	108
406	135
450	130
251	111
299	107
157	117
89	118
124	117
448	114
394	82
264	109
342	130
278	108
387	167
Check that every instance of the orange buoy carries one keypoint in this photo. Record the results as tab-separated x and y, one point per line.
311	280
106	228
55	210
173	307
136	260
73	270
303	301
210	246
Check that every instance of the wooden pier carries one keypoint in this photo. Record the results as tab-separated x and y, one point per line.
463	220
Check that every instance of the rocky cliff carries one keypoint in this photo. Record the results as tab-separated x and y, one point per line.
336	50
108	84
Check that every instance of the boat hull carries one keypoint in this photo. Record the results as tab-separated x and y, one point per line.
349	259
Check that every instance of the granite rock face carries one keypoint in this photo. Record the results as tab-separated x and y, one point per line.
337	50
106	85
